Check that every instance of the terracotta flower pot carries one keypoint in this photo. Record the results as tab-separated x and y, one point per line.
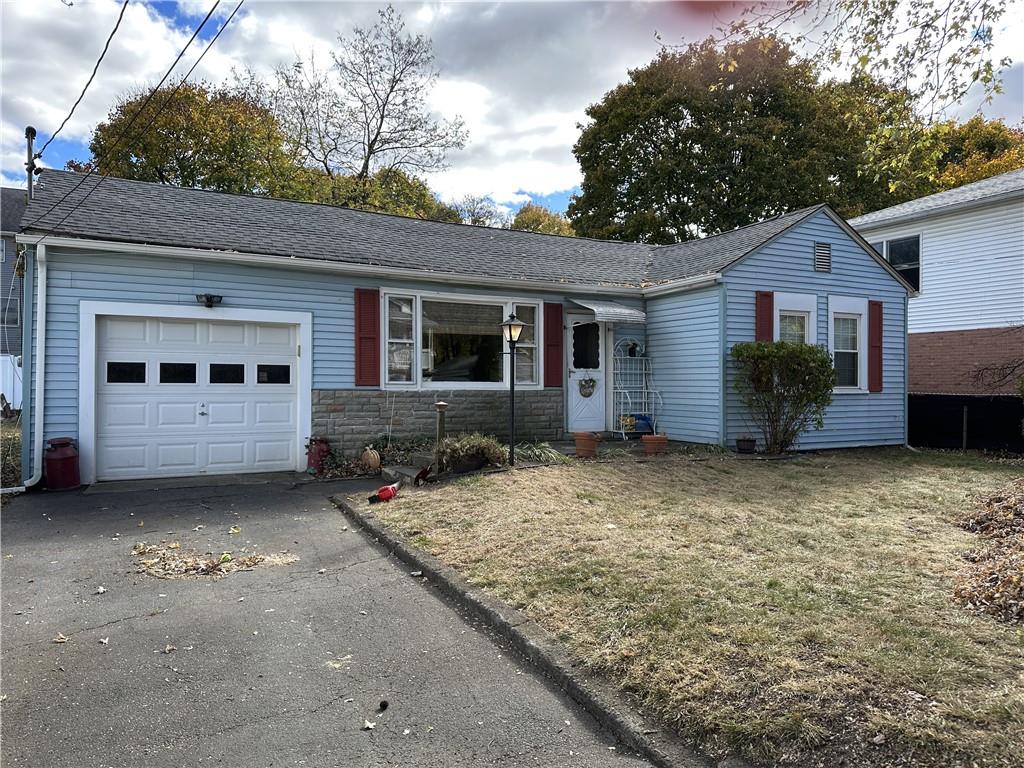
654	444
586	444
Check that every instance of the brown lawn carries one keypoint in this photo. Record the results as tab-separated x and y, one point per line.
794	612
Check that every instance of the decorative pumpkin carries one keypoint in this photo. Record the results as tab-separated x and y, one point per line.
370	459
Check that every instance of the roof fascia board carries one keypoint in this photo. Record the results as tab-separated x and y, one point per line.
317	265
942	210
679	286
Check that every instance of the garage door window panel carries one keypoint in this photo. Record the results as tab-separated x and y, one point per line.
177	373
126	373
273	374
227	373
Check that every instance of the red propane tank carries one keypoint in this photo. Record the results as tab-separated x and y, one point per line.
62	465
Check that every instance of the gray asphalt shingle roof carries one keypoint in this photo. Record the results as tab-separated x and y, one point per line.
12	206
157	214
995	186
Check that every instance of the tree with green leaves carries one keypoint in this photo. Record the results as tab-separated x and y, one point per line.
192	135
975	150
536	218
936	50
710	138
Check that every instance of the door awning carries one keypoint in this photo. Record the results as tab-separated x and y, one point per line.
610	312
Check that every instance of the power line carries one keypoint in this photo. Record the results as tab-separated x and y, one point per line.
131	122
88	82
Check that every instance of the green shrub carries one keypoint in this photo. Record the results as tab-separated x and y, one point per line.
786	388
462	449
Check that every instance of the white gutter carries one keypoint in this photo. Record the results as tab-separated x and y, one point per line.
688	284
39	366
319	265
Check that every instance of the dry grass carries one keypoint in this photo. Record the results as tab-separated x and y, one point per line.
794	612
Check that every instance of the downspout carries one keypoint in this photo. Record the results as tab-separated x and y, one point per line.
39	360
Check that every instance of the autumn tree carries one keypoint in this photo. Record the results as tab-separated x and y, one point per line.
937	50
710	138
480	210
191	135
368	109
536	218
975	150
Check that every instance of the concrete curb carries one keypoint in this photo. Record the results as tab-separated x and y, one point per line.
601	700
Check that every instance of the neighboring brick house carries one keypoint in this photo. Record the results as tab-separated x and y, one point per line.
964	251
12	205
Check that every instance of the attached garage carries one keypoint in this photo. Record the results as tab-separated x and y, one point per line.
178	394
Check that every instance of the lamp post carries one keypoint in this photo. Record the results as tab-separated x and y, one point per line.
511	329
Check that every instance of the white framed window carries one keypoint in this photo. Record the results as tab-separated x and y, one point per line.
847	338
453	341
796	317
904	254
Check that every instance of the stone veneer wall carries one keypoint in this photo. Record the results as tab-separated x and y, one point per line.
351	418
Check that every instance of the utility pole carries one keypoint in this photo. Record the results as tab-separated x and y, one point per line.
30	163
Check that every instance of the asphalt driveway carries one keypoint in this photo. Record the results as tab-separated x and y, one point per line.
278	666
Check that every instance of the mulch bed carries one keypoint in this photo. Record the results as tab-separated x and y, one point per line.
993	583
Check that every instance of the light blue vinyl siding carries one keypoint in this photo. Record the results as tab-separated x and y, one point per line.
684	337
74	276
787	265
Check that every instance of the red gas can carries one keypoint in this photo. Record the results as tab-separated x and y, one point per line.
62	465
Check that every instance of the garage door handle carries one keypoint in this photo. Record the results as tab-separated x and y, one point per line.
202	409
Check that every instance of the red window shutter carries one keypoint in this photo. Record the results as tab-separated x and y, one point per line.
367	337
553	362
874	346
764	316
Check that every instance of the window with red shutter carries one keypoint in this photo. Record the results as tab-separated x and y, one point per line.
553	333
764	316
367	334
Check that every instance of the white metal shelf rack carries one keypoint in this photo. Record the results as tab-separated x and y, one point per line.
636	403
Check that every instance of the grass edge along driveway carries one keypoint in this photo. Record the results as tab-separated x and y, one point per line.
793	612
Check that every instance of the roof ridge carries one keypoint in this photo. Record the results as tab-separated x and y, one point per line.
269	198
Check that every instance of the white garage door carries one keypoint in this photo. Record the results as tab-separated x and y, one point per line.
189	397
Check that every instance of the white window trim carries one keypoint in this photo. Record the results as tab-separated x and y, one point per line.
88	311
851	305
806	303
920	253
417	384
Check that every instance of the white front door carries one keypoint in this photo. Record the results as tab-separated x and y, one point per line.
186	397
586	380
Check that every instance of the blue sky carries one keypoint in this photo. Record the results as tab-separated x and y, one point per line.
519	74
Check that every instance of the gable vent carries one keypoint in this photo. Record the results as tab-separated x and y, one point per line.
823	257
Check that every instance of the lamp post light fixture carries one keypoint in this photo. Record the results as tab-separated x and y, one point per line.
512	329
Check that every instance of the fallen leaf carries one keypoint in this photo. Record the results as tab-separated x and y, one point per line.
406	732
416	573
104	641
174	545
368	726
322	570
169	648
100	590
60	638
234	529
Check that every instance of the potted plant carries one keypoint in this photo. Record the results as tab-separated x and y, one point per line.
655	443
746	444
586	444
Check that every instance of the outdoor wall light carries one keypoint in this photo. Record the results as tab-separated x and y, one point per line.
512	329
208	299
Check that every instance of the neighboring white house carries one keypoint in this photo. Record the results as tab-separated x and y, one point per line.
12	205
964	251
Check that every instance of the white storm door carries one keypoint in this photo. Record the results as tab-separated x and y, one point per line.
178	397
586	374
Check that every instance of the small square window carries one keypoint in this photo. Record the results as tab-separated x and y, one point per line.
177	373
273	374
227	373
793	327
126	373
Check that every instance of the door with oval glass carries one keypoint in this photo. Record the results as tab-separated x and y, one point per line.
586	380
